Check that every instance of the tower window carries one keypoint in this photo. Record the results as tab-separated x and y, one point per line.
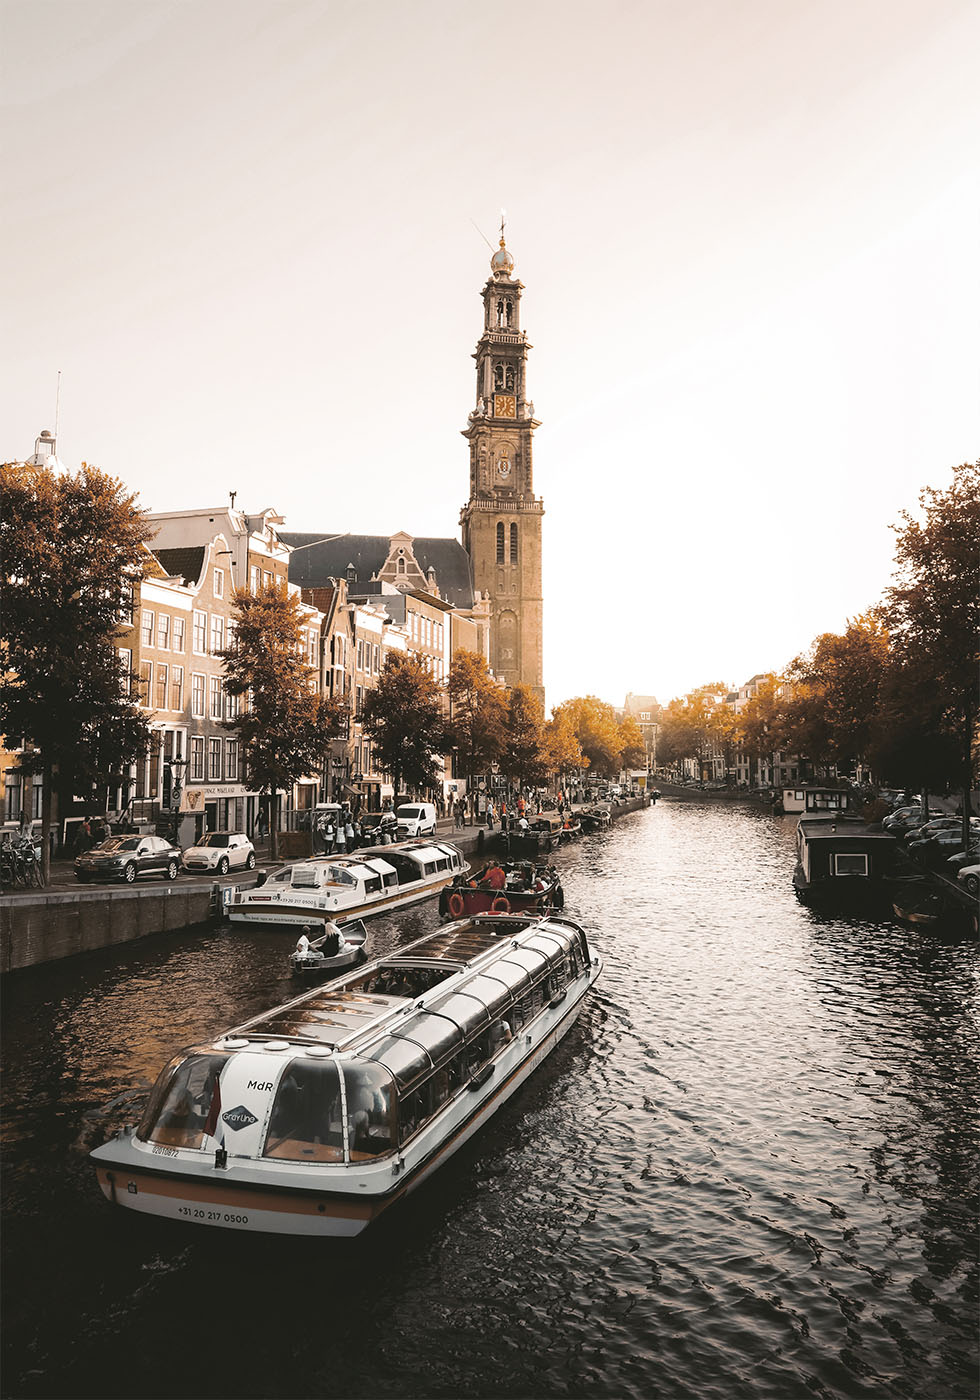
500	542
503	376
401	563
513	544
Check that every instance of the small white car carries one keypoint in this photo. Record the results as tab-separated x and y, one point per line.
220	851
417	818
969	878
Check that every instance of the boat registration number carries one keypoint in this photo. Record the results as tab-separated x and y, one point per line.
224	1216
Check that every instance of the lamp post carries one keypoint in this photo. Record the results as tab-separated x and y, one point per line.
178	766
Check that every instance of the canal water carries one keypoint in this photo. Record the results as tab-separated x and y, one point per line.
749	1171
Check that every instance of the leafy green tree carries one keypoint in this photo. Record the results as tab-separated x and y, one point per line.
477	713
523	758
286	724
933	609
403	718
72	551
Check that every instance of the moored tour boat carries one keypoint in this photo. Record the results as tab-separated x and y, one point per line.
373	881
317	1116
527	887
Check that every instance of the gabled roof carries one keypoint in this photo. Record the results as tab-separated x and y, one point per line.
327	558
184	563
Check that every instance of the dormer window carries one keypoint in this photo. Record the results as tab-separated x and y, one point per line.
351	574
401	564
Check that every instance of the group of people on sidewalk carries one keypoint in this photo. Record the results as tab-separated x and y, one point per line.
517	814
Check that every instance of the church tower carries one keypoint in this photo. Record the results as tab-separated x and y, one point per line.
502	519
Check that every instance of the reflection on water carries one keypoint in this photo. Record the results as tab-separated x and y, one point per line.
749	1171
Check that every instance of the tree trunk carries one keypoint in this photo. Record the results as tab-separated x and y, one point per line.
47	798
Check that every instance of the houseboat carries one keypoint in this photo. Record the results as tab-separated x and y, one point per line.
519	887
373	881
812	801
842	861
314	1118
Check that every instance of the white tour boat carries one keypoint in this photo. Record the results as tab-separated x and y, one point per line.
373	881
315	1117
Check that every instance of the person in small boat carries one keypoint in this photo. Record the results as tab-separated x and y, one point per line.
496	877
334	941
523	825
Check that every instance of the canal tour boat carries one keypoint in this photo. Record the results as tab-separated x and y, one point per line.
527	888
376	880
317	1116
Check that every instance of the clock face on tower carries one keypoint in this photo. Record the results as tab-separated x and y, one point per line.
504	406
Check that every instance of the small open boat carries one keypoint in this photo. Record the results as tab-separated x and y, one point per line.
527	888
571	826
916	902
338	949
594	818
543	834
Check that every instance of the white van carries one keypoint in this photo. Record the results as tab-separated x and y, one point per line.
418	818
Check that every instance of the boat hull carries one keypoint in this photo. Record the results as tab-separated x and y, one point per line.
212	1196
284	914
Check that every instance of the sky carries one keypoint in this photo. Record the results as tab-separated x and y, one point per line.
252	239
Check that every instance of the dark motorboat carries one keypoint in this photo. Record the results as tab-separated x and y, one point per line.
594	818
527	888
916	902
337	950
543	834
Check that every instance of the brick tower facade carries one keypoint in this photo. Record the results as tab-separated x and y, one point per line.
502	519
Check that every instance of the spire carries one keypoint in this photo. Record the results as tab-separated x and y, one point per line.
502	264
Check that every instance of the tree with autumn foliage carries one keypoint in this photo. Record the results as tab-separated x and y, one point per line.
632	748
477	713
562	750
760	722
72	546
523	756
403	718
287	724
838	682
596	728
933	611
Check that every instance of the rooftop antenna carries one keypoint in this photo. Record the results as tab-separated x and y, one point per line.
484	237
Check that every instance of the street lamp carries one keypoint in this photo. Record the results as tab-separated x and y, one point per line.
178	766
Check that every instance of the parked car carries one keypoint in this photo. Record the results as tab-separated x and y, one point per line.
127	857
970	856
221	851
969	877
417	818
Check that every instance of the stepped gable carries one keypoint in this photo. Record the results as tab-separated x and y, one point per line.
185	564
318	558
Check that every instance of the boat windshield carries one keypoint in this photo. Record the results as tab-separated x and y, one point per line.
307	1121
181	1102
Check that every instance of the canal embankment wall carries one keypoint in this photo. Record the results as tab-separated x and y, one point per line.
43	926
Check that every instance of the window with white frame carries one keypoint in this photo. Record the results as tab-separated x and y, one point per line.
254	578
146	681
146	627
214	760
850	863
197	759
176	687
163	631
233	706
219	583
217	634
180	627
231	760
215	706
163	680
197	695
200	638
126	672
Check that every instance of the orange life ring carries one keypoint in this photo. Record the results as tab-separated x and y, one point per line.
455	904
501	905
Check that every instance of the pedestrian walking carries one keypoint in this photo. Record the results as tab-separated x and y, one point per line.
490	815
